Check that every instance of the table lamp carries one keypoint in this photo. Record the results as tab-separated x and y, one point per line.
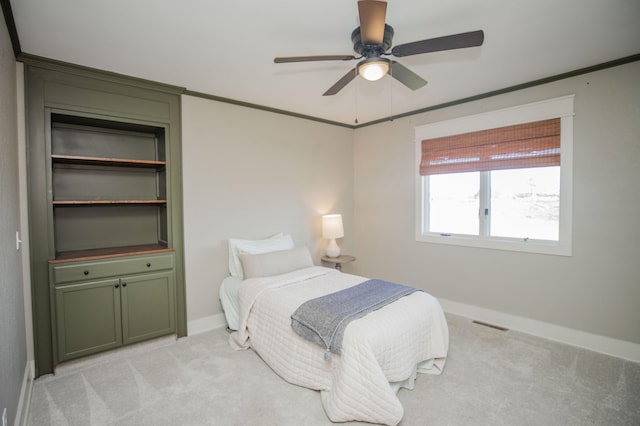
332	229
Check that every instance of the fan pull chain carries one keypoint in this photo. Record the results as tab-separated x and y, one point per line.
391	94
355	70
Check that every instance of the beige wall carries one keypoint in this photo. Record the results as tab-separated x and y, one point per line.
597	290
248	174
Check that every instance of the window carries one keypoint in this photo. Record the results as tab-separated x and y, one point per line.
498	180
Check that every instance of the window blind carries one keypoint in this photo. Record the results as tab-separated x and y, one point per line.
535	144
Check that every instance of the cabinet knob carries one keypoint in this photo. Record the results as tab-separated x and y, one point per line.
86	272
149	265
124	284
117	285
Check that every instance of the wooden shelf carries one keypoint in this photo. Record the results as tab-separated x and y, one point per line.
100	161
106	202
104	253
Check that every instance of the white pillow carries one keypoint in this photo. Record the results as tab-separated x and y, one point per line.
235	268
237	246
275	262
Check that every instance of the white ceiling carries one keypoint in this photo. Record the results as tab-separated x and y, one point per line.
226	48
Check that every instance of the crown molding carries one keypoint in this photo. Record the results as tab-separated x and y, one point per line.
48	63
11	26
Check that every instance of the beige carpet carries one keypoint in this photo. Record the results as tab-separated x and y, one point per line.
491	378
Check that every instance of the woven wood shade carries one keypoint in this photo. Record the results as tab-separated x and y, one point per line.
535	144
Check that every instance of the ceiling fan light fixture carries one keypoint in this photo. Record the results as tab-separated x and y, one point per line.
373	69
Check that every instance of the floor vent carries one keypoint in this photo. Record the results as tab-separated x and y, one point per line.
497	327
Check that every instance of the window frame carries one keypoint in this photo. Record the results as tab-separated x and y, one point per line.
563	108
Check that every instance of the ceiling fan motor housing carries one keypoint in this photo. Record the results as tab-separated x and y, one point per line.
372	50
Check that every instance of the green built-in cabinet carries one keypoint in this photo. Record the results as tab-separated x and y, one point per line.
105	211
107	303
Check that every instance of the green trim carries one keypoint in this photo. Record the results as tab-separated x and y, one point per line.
264	108
581	71
94	73
11	27
139	82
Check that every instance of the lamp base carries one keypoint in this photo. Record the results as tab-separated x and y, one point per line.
332	249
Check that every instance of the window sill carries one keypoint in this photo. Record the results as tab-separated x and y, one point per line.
508	244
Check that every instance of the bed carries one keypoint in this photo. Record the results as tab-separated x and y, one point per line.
381	352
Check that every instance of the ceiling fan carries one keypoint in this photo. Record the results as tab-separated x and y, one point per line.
372	39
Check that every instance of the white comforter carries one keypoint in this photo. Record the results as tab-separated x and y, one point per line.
388	345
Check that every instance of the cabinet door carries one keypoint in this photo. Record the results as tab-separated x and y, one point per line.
148	306
88	318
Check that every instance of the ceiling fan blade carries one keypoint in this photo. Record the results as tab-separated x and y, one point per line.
286	59
340	84
456	41
372	16
405	76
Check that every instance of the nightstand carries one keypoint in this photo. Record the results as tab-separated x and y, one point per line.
338	261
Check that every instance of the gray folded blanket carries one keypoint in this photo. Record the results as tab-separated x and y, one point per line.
323	320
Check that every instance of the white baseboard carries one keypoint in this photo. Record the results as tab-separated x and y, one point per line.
202	325
25	394
597	343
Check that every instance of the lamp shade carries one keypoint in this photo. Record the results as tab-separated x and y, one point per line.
374	68
332	226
